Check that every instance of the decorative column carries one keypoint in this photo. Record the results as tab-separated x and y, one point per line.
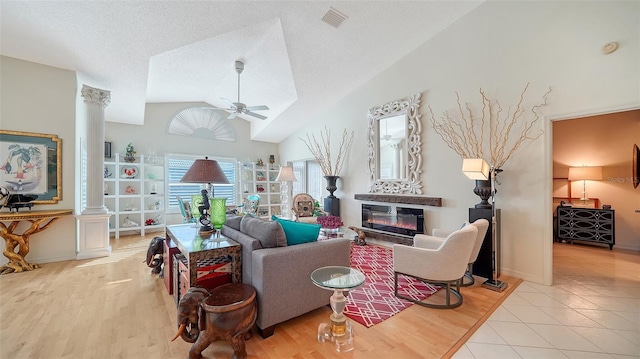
93	222
96	100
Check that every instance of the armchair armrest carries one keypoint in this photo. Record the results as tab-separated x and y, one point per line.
427	242
444	233
420	262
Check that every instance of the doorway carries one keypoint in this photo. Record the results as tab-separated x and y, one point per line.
605	140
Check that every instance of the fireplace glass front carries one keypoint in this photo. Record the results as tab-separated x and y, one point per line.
392	219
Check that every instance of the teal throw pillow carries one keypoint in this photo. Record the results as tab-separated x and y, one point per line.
298	233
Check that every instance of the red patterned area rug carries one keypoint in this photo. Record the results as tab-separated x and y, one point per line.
374	301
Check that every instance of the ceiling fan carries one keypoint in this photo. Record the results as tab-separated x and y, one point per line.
239	107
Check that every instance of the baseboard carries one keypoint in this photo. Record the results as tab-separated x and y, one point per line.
522	275
51	259
102	252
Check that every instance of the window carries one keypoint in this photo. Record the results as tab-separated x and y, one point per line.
309	177
178	165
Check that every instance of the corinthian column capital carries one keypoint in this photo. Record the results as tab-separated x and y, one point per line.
96	96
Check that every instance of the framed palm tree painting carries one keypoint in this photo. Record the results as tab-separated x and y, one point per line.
31	164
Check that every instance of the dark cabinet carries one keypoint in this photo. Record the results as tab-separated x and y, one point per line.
586	224
483	267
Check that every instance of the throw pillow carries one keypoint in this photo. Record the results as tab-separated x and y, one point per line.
233	222
297	232
270	234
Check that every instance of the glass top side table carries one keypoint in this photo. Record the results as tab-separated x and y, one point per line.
337	278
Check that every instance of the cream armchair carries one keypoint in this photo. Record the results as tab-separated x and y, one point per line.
483	226
436	261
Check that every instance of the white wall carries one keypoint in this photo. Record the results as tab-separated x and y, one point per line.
500	46
39	98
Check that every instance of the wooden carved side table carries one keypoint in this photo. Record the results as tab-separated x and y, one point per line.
40	220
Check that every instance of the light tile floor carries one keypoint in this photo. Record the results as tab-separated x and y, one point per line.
591	312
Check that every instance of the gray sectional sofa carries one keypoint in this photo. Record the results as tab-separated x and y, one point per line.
280	273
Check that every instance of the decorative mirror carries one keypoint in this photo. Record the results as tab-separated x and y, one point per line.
395	147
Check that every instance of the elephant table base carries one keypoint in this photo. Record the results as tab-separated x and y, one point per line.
228	313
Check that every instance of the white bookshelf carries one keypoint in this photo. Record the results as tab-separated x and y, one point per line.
261	180
135	193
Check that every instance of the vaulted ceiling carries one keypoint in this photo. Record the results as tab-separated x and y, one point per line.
175	51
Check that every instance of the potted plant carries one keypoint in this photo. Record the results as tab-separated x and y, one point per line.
130	153
330	223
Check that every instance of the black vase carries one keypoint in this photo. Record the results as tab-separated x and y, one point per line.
332	203
483	190
331	184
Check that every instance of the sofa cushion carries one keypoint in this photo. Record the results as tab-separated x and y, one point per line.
233	221
270	234
298	233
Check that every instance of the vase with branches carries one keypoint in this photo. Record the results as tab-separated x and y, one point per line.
321	151
470	136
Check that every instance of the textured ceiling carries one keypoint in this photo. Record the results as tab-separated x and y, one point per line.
173	51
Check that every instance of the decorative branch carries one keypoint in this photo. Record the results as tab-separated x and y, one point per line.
463	134
322	151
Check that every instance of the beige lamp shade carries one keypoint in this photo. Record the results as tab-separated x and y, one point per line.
475	168
585	173
205	171
286	174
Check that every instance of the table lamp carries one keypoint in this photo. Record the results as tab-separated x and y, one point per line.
286	175
209	172
585	174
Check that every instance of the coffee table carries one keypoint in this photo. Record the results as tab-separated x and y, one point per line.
338	279
199	250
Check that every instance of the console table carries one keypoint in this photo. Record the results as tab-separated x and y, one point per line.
40	220
586	224
199	251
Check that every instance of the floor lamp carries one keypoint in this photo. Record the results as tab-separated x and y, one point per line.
479	169
286	175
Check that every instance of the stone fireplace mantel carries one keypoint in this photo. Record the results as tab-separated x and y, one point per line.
400	198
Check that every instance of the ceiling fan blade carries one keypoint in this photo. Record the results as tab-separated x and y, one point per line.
228	101
257	108
232	116
255	115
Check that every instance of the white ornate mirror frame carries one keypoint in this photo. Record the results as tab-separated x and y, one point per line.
410	184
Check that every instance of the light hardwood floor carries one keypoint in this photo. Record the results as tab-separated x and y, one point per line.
115	308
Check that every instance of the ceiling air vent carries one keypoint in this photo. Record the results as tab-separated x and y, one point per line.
334	17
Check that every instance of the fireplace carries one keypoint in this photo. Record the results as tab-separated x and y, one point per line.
393	219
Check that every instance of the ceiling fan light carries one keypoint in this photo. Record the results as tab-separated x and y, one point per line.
237	108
